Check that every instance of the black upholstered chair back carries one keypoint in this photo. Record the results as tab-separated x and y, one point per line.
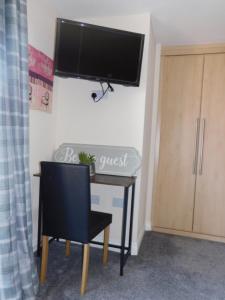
65	196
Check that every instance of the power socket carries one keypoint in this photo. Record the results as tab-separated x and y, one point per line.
98	94
117	202
95	199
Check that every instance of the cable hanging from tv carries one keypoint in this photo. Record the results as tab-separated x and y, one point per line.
109	88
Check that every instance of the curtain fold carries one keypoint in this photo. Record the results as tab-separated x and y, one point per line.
18	278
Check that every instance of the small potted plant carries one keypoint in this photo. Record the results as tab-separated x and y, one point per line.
88	159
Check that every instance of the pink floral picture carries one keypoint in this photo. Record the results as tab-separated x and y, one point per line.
40	80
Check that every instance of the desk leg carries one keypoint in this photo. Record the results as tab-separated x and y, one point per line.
123	235
39	226
131	217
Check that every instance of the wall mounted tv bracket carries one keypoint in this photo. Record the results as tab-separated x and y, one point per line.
104	91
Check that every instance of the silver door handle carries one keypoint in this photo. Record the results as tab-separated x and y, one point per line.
202	148
195	162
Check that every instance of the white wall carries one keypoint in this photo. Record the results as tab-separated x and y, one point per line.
41	30
121	119
116	120
152	142
147	132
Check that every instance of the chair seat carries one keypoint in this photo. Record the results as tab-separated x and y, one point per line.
98	221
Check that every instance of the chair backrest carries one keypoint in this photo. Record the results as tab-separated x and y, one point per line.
65	198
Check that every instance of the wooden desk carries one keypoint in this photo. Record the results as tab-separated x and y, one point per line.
127	183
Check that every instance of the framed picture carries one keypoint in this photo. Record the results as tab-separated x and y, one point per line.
40	80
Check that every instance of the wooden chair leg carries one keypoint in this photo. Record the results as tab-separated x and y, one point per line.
67	248
44	258
85	268
106	245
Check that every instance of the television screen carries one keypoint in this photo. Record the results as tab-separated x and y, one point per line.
98	53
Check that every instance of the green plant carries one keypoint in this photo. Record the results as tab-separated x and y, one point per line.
86	158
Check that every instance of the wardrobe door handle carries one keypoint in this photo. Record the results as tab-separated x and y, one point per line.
195	162
202	148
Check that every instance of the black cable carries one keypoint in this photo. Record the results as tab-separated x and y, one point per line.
102	87
109	87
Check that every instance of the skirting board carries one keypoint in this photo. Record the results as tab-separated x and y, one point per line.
136	245
189	234
92	245
148	227
134	249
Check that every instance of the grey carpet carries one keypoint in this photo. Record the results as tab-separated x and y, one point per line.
167	267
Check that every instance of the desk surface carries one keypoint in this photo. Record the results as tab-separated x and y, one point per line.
109	179
113	180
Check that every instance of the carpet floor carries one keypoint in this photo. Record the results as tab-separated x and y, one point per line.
167	268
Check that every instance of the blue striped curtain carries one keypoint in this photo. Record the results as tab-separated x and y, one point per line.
18	279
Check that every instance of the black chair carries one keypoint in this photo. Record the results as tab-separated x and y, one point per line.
66	202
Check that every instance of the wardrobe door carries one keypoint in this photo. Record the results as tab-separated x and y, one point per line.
209	214
180	101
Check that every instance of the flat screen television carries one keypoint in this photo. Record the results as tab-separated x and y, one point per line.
97	53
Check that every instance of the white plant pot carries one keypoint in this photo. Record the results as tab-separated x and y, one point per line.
92	169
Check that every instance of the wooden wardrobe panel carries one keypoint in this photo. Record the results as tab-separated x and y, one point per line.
209	215
180	101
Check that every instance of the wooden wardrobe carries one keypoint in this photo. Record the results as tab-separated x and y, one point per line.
189	188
